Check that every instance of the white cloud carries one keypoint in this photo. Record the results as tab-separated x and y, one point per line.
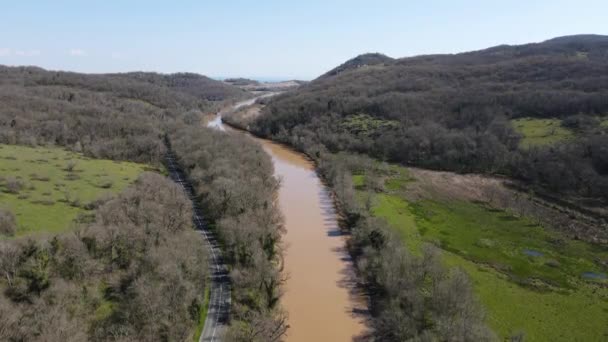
27	53
77	52
5	52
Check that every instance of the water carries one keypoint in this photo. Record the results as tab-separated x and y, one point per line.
532	253
320	295
595	275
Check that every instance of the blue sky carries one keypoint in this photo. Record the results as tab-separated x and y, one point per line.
270	39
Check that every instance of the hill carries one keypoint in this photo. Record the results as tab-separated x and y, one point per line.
198	86
457	112
114	116
368	59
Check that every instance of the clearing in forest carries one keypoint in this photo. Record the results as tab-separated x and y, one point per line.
48	188
540	132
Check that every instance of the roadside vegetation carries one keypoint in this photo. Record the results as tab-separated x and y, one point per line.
233	179
57	185
555	286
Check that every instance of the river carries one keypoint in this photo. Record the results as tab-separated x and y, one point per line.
320	295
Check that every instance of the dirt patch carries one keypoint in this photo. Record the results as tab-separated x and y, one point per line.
452	186
243	116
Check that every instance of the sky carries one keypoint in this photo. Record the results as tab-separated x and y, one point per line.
270	39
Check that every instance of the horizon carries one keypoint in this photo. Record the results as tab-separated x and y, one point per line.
270	41
276	79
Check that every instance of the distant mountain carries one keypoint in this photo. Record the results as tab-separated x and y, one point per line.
258	86
241	81
196	85
453	111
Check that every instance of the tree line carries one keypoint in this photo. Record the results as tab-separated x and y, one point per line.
234	183
414	297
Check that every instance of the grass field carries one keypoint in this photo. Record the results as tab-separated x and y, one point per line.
539	132
365	124
528	278
53	186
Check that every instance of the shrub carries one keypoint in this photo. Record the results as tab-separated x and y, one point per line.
7	222
13	185
70	166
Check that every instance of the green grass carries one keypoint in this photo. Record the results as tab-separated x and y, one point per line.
499	239
51	196
203	314
540	132
358	181
544	296
604	123
366	125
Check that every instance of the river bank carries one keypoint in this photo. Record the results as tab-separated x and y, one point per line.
320	295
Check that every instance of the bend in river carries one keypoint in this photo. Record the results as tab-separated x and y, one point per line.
320	294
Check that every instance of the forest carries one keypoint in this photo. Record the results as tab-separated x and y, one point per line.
455	112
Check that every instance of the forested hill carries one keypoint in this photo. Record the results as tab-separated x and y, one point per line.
115	116
196	85
472	112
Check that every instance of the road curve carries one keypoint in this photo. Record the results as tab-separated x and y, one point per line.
218	313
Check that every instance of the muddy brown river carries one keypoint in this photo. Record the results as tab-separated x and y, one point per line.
320	294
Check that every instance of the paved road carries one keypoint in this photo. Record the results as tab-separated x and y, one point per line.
219	297
217	122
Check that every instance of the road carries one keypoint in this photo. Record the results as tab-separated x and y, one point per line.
217	123
219	296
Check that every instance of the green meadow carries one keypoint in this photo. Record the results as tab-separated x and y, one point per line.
540	132
529	279
48	188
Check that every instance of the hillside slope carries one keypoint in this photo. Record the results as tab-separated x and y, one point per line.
454	112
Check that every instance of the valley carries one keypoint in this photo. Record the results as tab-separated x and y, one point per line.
445	197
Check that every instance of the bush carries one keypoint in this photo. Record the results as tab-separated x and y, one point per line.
13	185
8	223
